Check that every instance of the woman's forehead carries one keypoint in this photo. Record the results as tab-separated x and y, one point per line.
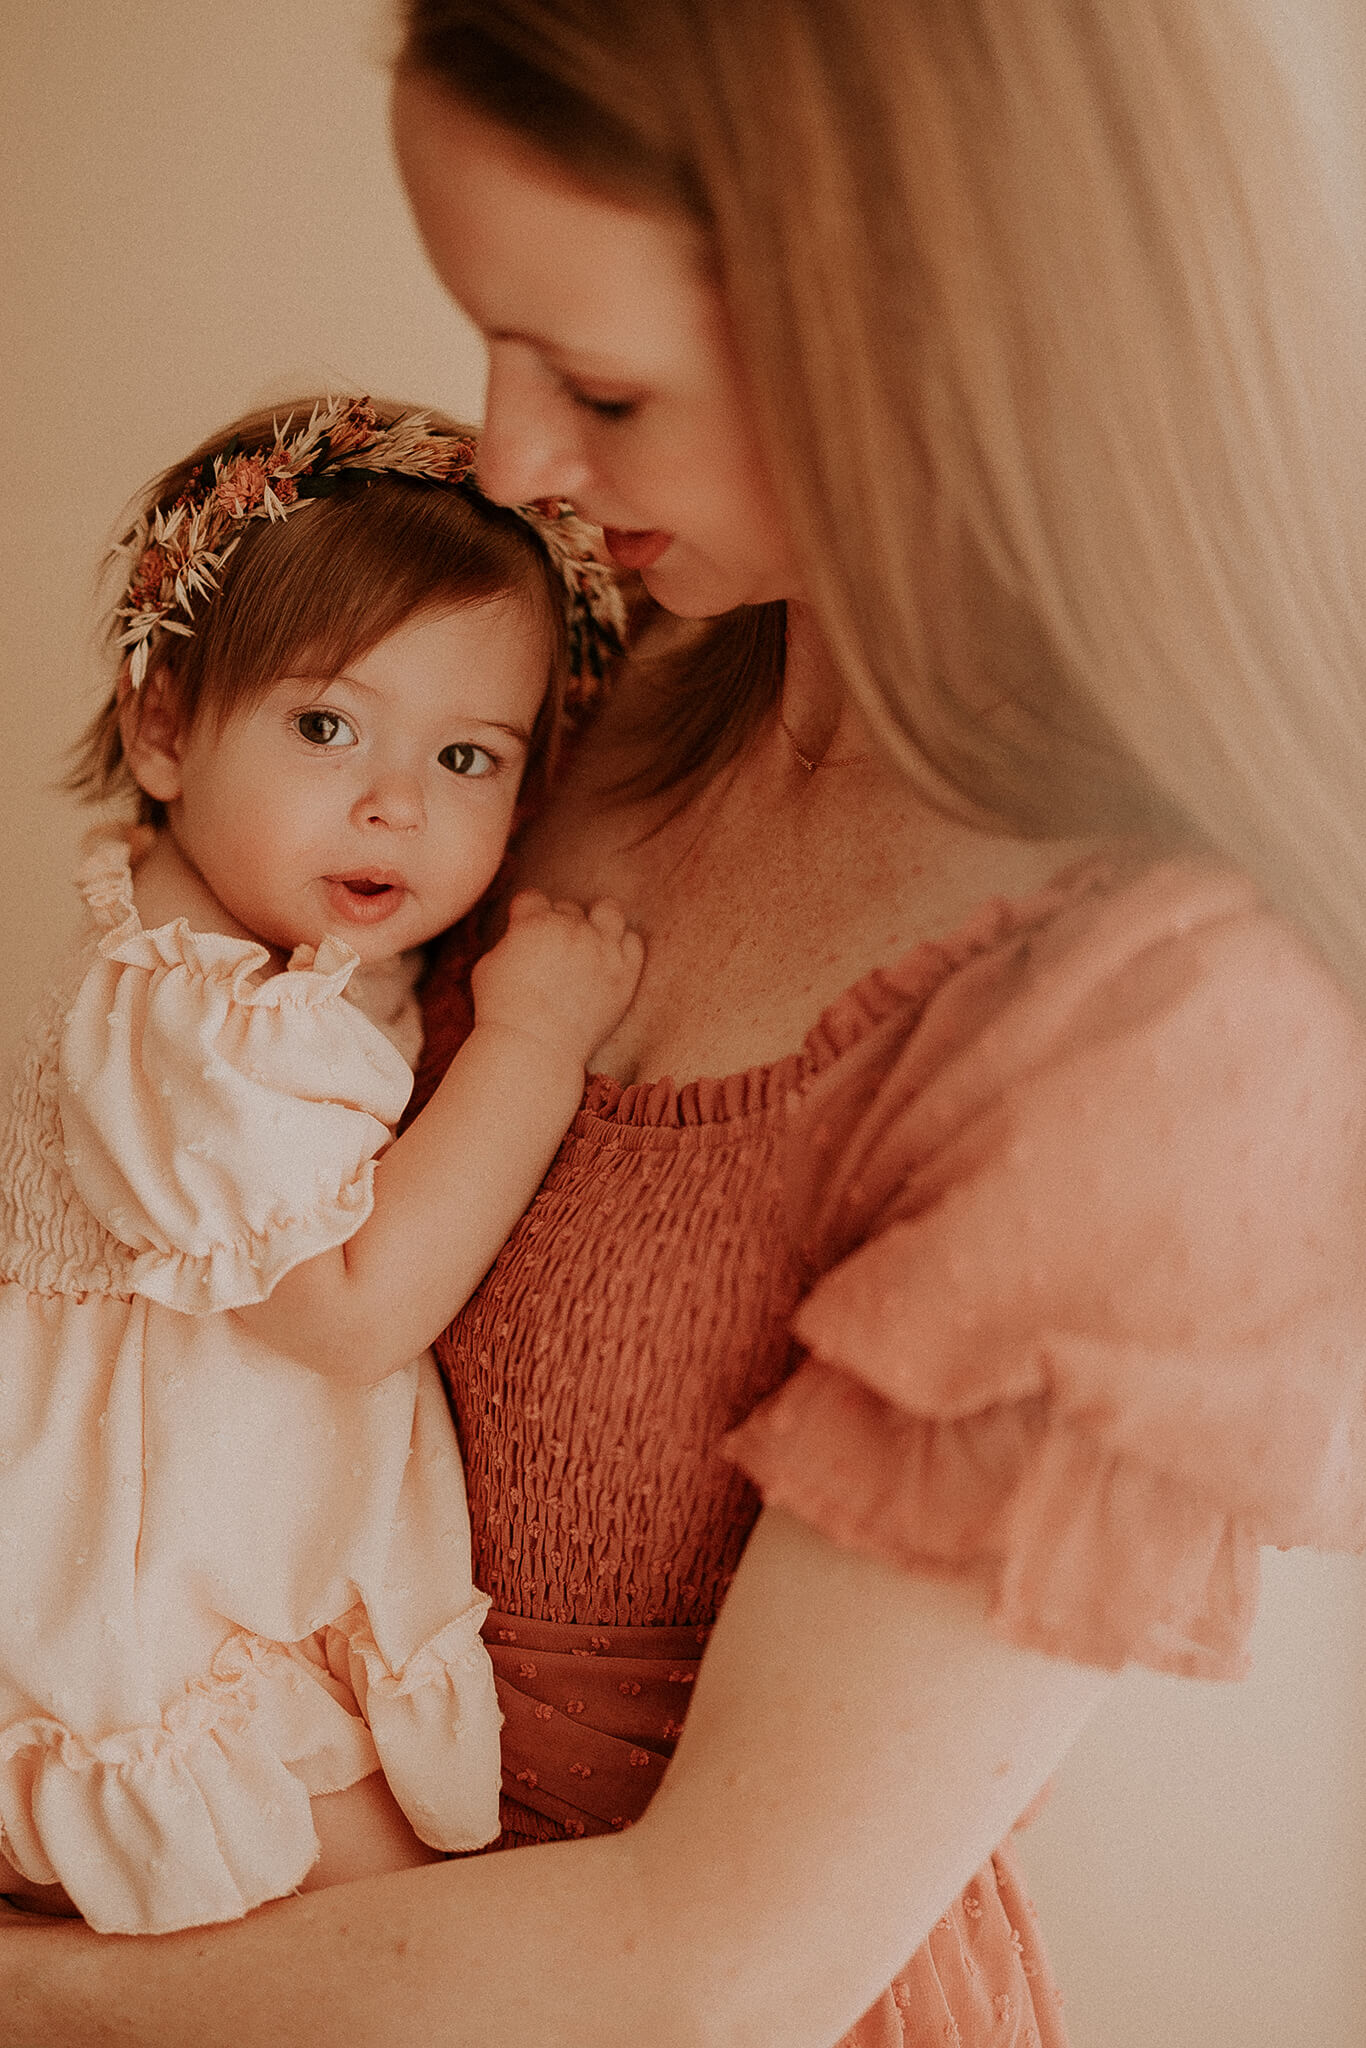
534	255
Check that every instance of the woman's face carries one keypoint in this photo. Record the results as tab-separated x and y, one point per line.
612	376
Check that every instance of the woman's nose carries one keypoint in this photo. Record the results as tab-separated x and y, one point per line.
393	802
529	442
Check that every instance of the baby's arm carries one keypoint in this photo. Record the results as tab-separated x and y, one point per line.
449	1191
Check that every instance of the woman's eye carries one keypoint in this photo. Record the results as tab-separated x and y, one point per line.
464	758
324	729
602	408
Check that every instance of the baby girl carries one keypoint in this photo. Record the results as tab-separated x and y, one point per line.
239	1641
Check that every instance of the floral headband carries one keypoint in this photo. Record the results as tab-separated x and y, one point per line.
177	555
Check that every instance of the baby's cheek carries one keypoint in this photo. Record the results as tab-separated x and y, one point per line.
465	866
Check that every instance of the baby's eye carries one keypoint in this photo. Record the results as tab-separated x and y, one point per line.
464	758
324	729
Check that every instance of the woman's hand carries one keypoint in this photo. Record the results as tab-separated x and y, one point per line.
559	974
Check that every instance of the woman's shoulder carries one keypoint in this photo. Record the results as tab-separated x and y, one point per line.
1149	1089
1123	988
1085	1301
1112	913
1145	982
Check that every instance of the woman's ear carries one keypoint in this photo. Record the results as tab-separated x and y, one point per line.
150	727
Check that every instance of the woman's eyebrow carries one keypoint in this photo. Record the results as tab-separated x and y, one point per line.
516	334
561	351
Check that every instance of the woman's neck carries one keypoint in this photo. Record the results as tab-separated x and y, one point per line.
821	720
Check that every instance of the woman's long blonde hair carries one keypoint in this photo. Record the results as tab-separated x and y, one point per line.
1051	349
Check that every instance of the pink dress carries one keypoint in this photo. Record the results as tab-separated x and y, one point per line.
226	1584
1040	1260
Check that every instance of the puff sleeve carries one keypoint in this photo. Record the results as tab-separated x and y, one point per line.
1088	1314
222	1127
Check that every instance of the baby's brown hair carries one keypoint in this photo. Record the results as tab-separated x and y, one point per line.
329	581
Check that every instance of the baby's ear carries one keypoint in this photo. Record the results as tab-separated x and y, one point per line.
150	726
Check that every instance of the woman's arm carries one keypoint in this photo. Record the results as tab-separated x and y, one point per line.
858	1744
448	1192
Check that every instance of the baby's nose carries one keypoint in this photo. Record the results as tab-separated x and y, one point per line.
394	802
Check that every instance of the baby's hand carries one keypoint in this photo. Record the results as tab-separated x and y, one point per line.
559	973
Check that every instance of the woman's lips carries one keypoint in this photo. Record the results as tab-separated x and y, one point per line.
365	898
635	547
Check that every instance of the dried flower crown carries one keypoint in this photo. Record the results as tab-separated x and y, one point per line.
177	554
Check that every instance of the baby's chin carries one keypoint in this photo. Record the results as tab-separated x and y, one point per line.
378	948
379	928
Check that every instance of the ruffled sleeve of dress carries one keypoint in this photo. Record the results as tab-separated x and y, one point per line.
220	1125
1088	1314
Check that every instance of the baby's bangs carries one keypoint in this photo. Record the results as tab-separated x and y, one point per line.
331	581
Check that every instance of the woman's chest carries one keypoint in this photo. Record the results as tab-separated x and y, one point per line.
755	921
762	902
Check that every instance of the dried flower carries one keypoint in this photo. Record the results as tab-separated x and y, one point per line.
178	553
354	429
148	577
241	485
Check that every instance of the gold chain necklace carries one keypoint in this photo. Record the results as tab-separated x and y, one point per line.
807	761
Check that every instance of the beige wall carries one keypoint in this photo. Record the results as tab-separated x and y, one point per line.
201	215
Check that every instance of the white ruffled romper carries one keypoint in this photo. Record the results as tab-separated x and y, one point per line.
226	1584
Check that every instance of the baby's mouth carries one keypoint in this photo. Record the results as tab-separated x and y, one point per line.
366	897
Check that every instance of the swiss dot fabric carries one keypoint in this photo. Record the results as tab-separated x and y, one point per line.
1090	1305
226	1583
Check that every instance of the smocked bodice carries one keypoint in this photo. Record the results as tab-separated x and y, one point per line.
639	1312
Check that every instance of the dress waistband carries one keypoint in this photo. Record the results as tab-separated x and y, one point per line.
590	1715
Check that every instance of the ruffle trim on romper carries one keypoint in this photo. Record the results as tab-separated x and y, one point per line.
192	1821
435	1723
236	1273
206	1815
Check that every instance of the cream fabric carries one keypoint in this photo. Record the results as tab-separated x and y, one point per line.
215	1566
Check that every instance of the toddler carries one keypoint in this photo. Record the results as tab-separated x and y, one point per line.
239	1641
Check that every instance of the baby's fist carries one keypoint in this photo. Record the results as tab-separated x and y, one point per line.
559	973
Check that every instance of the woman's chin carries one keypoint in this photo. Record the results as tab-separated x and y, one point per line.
694	589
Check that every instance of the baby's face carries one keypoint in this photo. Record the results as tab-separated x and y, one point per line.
375	804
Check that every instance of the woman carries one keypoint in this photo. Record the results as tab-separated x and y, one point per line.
983	344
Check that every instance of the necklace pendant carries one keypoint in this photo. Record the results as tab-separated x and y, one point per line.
804	758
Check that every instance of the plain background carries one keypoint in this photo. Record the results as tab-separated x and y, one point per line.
200	216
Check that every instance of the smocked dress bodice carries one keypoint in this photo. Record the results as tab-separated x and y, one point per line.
639	1310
